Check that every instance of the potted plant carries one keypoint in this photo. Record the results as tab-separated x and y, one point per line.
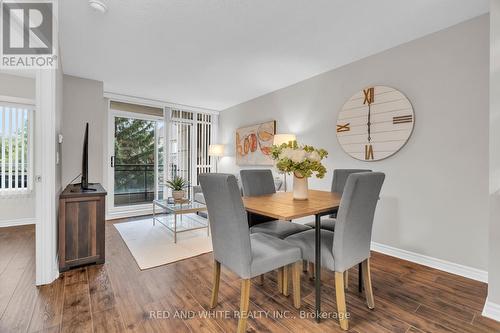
303	161
177	184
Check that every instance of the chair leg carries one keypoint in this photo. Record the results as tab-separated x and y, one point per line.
311	270
280	280
245	300
340	295
304	266
360	277
346	279
285	280
215	288
367	281
296	284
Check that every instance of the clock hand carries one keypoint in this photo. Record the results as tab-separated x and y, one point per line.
369	122
369	94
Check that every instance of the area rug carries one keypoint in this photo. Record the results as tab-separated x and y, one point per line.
153	245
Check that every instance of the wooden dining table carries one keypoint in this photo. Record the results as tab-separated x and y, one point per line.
282	206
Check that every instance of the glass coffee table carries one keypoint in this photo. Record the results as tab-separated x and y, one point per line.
179	223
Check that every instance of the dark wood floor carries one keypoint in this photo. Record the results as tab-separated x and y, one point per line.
118	297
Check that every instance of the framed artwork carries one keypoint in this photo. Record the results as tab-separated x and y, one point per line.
253	144
375	123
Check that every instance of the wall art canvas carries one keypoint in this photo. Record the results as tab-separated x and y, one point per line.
253	144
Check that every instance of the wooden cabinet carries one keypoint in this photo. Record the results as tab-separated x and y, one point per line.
81	226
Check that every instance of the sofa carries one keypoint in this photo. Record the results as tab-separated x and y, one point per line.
252	218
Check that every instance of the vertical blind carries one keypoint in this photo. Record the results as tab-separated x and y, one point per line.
15	148
204	128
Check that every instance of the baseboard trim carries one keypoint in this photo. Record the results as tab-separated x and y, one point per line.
491	310
126	214
17	222
443	265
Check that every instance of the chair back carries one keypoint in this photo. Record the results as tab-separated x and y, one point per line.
228	222
340	178
353	228
257	182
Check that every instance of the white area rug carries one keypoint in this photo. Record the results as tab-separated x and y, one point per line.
153	245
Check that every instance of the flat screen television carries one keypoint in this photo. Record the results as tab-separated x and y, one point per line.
85	162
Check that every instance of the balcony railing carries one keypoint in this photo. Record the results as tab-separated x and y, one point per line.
134	184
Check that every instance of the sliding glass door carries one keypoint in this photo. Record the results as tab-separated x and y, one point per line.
160	160
136	161
149	146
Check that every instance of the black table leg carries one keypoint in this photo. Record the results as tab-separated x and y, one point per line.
318	266
360	278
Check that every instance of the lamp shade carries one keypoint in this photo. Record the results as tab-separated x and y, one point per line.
216	150
280	139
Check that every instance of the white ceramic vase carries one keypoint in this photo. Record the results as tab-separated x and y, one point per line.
300	188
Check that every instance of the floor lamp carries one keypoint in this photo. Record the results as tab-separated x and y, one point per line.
280	139
216	151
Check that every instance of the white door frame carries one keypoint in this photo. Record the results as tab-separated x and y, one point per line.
113	212
45	178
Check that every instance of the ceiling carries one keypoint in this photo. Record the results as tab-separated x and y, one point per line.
219	53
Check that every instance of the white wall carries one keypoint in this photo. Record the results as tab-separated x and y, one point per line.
17	210
59	126
83	102
48	91
435	197
17	86
494	231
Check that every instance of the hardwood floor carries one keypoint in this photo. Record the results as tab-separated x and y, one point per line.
118	297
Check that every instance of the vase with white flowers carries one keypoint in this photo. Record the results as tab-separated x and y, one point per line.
301	160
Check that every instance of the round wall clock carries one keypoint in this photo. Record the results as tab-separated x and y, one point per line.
375	123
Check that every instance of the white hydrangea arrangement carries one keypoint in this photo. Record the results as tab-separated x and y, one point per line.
302	160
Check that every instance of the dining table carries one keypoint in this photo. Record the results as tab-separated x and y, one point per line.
282	206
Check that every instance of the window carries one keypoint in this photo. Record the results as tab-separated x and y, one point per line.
190	136
204	138
15	148
181	146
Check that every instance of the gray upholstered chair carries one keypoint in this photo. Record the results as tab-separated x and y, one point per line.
257	182
338	183
260	182
349	245
247	255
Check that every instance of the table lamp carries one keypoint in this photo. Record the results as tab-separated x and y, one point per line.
280	139
217	151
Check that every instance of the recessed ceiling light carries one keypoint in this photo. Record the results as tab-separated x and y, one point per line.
98	6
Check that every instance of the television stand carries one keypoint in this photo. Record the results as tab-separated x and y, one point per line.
81	226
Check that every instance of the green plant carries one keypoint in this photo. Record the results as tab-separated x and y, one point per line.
303	161
177	183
